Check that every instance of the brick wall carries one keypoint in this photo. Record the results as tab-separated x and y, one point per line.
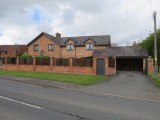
79	51
109	70
49	68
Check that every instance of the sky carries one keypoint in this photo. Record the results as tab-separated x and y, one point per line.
125	20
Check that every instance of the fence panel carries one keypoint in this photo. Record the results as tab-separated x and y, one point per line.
3	60
83	62
61	62
42	61
12	60
25	61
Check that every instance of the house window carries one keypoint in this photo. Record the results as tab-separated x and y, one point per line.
42	52
36	47
50	47
69	47
89	46
111	62
6	52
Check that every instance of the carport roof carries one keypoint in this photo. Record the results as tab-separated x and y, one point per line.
122	52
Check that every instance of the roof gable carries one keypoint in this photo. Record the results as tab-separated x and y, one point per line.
89	39
52	38
69	41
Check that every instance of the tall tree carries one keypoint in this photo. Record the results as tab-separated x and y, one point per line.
148	44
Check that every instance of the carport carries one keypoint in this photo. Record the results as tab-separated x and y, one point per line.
129	64
124	58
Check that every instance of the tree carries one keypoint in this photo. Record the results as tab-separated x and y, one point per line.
148	44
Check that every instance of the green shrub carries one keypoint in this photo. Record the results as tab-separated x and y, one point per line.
156	79
41	57
25	56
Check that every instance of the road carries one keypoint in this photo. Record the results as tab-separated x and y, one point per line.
21	101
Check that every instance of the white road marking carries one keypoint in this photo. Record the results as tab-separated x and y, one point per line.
23	103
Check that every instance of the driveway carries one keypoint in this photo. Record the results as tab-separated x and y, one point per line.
128	84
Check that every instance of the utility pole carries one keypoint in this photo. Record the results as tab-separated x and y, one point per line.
155	42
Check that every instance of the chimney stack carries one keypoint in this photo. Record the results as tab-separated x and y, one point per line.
58	36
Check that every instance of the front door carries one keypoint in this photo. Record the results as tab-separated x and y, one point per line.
100	66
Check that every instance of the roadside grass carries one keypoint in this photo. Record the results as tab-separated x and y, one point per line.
69	78
156	79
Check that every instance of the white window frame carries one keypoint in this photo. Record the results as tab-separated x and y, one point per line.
70	47
89	46
36	47
50	47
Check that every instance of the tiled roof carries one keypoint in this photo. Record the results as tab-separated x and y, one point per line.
98	40
80	40
7	47
125	51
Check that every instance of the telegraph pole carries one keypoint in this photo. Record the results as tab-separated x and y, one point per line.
155	42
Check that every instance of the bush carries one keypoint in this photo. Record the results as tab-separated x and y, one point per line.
42	57
156	79
25	56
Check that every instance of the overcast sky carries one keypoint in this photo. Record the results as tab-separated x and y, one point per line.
125	20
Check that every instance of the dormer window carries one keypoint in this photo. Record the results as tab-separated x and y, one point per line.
89	46
69	47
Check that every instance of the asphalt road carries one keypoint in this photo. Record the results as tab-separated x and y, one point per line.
21	101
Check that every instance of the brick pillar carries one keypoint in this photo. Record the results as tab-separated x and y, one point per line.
34	64
17	61
94	65
71	64
51	63
106	67
5	63
150	65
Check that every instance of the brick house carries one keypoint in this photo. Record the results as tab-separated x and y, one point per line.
11	50
65	47
107	60
100	57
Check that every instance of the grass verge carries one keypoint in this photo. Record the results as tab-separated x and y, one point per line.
156	79
70	78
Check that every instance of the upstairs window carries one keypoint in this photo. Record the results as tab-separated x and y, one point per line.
89	46
36	47
69	47
50	47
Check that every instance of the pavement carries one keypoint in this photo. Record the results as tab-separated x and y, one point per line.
125	84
